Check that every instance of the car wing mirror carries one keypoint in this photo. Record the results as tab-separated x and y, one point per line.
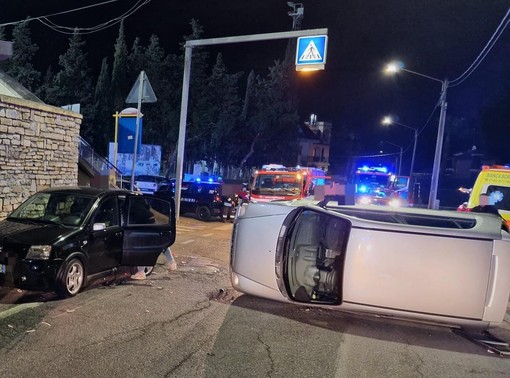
99	226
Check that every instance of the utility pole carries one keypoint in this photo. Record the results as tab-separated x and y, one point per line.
297	14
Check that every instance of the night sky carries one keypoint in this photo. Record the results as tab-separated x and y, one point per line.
439	38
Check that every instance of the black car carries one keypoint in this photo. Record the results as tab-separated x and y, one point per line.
198	197
63	239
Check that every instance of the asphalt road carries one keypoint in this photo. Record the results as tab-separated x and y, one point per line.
190	323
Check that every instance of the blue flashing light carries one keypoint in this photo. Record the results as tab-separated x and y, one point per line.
367	169
210	179
363	189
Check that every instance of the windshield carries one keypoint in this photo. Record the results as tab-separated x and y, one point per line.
58	208
277	184
368	183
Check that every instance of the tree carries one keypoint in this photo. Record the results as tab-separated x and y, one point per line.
120	85
197	107
136	59
20	66
43	91
220	119
99	131
72	83
268	124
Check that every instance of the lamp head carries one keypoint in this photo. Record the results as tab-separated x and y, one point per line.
388	120
393	67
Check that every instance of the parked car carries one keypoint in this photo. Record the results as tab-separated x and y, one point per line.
148	184
198	197
62	239
446	267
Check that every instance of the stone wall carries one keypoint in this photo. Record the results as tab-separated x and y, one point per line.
38	149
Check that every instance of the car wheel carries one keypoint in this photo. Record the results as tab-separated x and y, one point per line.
70	279
203	213
148	270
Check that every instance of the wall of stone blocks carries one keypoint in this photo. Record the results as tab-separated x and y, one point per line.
38	149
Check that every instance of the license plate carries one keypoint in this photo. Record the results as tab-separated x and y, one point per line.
3	268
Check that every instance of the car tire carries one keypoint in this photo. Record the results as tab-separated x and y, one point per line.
70	279
203	213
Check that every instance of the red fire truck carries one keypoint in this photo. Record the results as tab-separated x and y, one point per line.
277	182
378	186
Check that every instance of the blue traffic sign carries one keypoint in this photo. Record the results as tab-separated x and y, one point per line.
311	50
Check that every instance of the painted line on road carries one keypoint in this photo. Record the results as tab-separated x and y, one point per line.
224	227
187	241
206	235
18	308
190	227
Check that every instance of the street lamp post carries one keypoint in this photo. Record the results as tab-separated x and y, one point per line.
390	121
401	153
396	67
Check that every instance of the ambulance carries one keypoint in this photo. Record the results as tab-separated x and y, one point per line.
495	182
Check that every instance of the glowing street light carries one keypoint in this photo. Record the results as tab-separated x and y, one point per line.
396	67
390	121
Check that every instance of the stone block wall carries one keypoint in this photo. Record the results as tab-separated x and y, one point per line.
38	149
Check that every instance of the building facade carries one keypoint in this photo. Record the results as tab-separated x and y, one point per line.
314	142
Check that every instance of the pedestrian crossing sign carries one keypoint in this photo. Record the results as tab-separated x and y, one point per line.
311	53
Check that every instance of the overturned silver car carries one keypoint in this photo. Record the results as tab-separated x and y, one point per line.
444	267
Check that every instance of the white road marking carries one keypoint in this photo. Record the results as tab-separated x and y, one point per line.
207	234
18	308
224	227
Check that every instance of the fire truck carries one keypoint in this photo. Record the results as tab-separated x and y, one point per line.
276	182
378	186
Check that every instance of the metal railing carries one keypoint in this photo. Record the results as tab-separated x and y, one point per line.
99	163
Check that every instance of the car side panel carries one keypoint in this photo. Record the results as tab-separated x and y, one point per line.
417	272
148	230
143	245
104	249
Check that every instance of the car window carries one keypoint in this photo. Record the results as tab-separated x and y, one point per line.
108	213
55	207
409	219
499	196
315	250
148	211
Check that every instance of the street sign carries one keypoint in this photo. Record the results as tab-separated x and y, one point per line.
311	52
147	93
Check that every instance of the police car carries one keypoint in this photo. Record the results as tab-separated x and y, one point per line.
200	197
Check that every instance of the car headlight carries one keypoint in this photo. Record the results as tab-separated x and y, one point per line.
365	200
395	202
39	252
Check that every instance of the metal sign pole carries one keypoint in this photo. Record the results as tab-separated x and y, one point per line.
140	92
186	81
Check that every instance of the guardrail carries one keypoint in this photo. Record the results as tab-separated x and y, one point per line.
99	163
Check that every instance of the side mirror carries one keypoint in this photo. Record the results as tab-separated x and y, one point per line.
99	226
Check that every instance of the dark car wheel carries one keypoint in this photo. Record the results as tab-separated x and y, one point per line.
70	279
203	213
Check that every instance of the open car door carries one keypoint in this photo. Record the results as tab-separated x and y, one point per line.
149	228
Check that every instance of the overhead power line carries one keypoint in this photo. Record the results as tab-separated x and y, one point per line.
88	30
492	41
